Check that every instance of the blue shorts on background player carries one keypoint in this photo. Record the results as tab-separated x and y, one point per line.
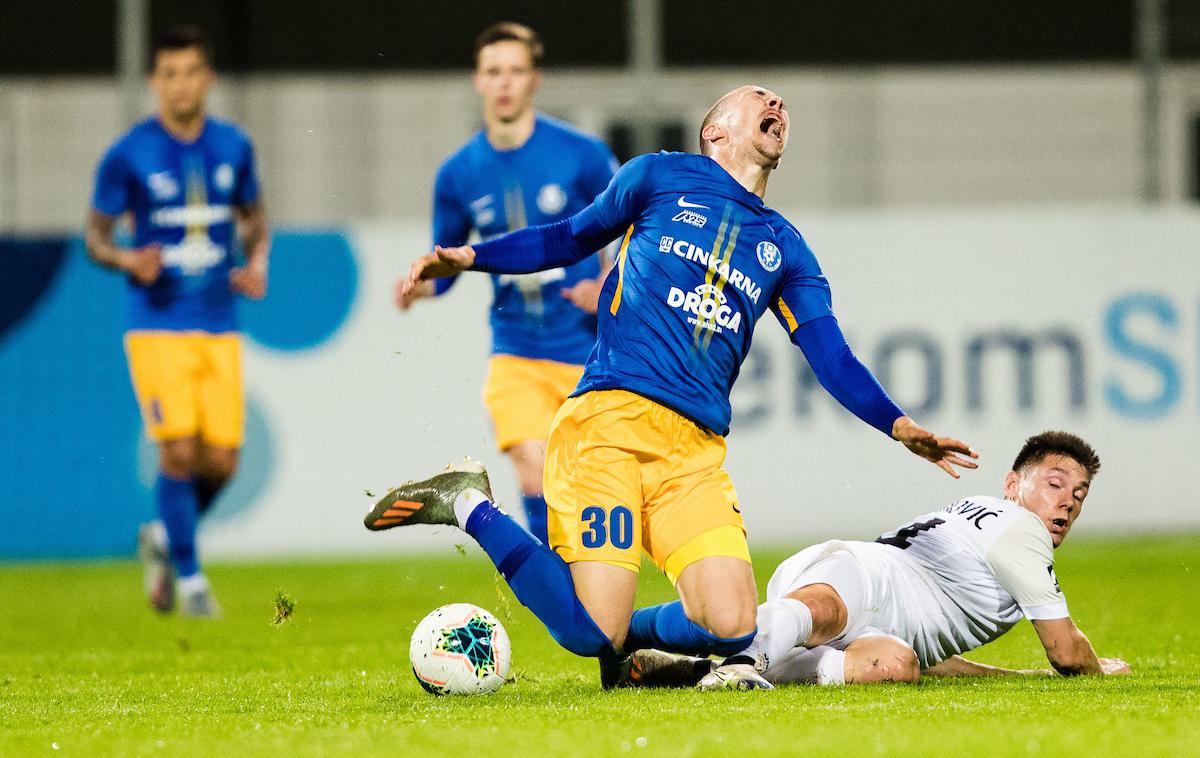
186	180
523	169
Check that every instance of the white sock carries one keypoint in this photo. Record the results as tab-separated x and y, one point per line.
466	503
158	535
190	585
831	668
782	625
820	665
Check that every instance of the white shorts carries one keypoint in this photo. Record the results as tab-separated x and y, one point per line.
884	592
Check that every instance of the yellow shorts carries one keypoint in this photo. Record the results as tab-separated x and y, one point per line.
624	473
188	384
523	394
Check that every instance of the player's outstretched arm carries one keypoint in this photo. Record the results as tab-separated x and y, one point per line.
143	264
956	665
1070	652
853	385
945	452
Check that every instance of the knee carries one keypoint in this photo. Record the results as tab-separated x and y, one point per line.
734	623
220	464
882	660
177	458
828	611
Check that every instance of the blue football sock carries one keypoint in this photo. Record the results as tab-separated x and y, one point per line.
535	513
539	579
176	501
667	627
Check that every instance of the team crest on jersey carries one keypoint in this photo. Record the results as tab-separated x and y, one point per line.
223	177
551	199
769	255
162	185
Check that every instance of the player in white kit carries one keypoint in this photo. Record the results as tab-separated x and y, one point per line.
911	601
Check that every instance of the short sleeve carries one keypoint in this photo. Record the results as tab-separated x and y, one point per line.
451	223
113	190
1022	560
804	294
246	191
621	202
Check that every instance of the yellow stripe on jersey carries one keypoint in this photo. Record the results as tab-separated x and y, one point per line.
787	315
616	301
722	280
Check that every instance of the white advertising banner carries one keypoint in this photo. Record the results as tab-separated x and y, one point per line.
986	325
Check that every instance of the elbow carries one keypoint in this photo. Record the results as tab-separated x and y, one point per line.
1069	667
1074	662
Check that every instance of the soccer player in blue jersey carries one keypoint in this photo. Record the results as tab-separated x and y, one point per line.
523	168
187	181
634	459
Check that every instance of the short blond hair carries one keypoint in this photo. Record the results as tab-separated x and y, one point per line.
511	31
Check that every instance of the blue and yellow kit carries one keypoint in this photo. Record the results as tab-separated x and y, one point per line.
184	353
539	339
635	456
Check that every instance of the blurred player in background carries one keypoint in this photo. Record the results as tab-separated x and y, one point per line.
188	180
522	169
911	601
635	457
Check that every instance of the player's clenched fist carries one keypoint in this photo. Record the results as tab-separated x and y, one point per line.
143	264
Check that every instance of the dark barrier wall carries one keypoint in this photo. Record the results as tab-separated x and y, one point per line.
67	36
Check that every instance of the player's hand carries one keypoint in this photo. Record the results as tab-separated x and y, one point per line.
585	295
250	280
943	451
405	298
1114	666
144	264
442	262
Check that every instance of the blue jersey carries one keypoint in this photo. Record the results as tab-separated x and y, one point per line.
701	261
182	195
558	171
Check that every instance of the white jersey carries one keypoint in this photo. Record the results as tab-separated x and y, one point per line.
945	583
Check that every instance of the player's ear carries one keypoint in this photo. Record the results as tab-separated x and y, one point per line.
713	132
1012	481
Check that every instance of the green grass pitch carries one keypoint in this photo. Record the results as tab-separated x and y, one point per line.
87	669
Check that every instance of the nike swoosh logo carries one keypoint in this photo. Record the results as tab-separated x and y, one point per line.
685	204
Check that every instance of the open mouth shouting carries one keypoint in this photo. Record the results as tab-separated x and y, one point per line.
772	125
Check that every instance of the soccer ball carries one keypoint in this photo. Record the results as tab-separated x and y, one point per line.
460	649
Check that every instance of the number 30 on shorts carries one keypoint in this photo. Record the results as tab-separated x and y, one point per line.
615	526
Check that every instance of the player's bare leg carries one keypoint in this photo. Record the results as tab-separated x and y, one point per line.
607	592
214	467
829	614
529	458
719	594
